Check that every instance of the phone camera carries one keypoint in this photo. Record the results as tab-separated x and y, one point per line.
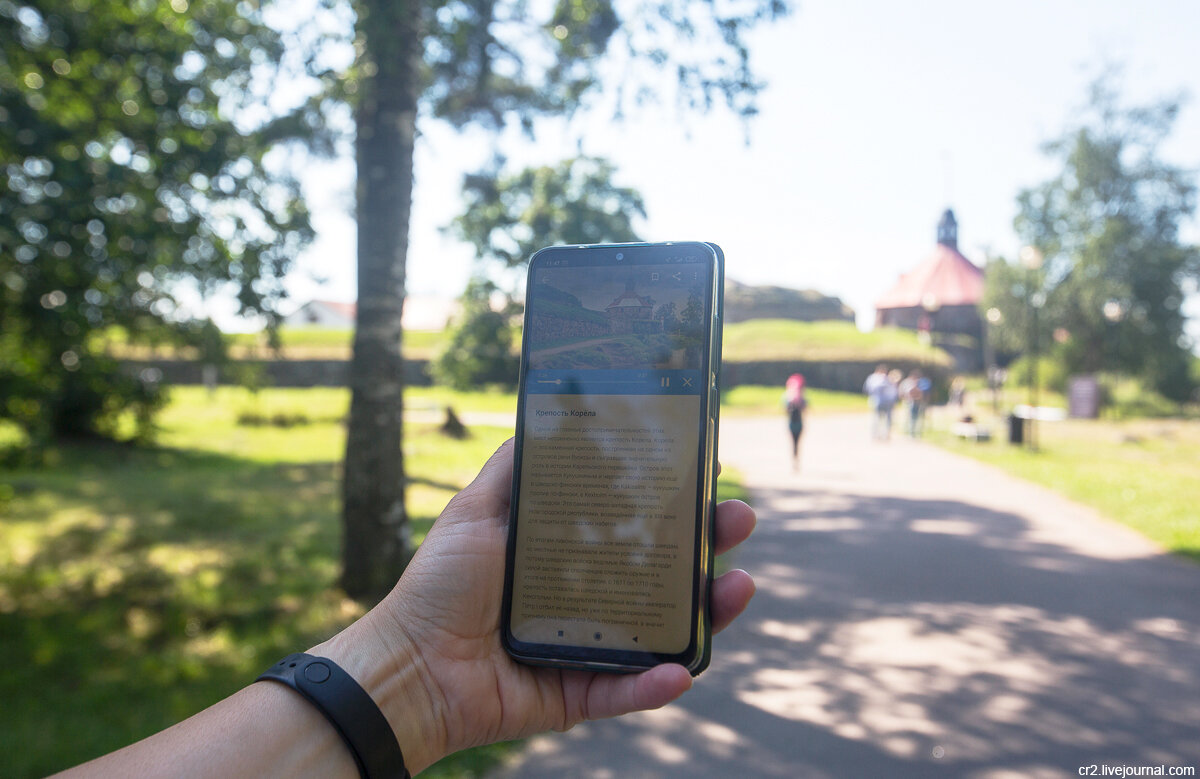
620	256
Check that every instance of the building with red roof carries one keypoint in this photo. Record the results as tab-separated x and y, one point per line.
940	297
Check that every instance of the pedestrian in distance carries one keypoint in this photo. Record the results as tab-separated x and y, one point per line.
958	393
795	402
913	391
881	392
925	385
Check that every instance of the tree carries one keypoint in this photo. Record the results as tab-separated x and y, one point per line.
480	351
508	217
489	63
1108	228
1007	289
131	170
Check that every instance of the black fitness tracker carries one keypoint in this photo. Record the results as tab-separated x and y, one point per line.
348	708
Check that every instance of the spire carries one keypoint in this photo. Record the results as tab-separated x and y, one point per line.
947	230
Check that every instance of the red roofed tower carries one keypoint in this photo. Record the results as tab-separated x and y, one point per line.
940	297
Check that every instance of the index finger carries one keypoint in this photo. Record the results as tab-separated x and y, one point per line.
734	524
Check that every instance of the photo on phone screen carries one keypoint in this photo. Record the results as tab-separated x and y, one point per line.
609	550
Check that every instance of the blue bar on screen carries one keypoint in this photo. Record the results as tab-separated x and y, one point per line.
614	382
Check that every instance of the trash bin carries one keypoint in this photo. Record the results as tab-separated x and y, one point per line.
1016	429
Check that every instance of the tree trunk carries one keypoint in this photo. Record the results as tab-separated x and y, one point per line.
375	535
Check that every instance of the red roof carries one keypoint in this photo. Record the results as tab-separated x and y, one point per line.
945	279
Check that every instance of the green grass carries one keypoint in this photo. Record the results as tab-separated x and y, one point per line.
1142	473
490	401
760	339
783	339
139	585
763	339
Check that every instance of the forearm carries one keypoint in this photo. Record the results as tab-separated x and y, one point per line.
264	729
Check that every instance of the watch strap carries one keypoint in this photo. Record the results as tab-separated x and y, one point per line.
348	708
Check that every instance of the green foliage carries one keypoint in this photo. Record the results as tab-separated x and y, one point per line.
139	585
134	139
1129	397
507	217
1108	226
1006	299
487	62
480	351
1052	373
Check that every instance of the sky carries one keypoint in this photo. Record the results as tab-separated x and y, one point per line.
877	117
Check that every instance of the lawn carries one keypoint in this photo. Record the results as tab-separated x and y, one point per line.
1143	473
138	585
759	339
785	339
764	339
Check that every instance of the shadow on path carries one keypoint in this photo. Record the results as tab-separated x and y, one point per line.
902	629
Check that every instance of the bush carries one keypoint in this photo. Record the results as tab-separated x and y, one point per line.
1052	373
78	394
480	351
1128	397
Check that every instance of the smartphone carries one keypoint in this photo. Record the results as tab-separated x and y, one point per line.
609	558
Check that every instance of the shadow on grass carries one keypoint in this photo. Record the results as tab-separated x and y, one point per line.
440	485
138	586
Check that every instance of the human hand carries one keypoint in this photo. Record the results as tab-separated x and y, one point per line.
440	629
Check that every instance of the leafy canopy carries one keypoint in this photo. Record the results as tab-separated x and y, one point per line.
1110	288
135	149
507	217
488	60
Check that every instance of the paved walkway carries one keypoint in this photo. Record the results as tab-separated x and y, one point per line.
919	614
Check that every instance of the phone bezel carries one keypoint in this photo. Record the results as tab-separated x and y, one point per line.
696	656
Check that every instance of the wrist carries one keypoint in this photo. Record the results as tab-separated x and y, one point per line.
388	666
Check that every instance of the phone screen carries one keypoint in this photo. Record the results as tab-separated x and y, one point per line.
612	482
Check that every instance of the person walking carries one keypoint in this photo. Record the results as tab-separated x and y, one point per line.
795	402
881	396
958	393
912	392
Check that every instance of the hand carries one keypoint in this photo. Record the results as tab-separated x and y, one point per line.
443	619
